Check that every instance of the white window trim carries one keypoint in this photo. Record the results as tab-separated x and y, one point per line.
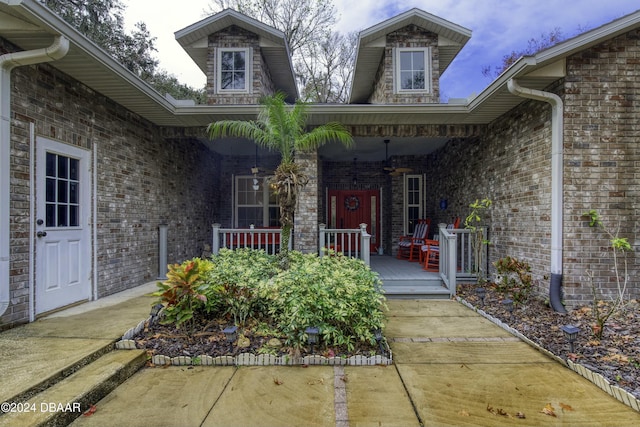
248	53
419	205
397	83
264	189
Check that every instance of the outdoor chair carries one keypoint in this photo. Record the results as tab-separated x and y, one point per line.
409	246
430	250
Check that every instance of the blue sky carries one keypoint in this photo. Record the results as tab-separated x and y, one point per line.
498	27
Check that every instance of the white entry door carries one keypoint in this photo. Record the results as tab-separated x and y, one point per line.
63	260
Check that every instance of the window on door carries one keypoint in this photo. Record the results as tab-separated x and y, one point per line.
414	202
256	203
62	192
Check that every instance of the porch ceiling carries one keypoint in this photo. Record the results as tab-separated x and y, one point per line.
370	149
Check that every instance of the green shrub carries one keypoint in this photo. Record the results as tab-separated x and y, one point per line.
339	295
182	293
516	278
233	281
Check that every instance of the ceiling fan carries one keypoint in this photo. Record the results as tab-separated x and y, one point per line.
392	171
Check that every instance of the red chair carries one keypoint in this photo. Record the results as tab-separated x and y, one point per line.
430	251
410	245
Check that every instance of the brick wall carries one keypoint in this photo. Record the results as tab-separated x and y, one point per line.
261	83
602	160
307	217
146	176
511	166
410	36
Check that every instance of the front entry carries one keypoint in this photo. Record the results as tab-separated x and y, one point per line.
63	238
350	208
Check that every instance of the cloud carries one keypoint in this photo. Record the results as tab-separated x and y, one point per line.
498	27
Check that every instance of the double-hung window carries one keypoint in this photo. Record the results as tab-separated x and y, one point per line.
413	201
256	203
234	69
412	70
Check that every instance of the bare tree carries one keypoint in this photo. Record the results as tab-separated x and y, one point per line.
325	68
322	58
534	45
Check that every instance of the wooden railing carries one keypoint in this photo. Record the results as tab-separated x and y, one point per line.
254	238
458	262
354	242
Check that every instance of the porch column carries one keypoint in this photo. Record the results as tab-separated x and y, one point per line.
305	225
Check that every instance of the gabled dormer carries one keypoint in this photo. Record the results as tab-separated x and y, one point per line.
242	58
400	60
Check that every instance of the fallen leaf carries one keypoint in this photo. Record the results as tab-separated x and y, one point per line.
463	413
520	415
565	407
92	409
345	378
549	410
277	381
318	381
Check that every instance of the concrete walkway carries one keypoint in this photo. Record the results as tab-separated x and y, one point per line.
452	368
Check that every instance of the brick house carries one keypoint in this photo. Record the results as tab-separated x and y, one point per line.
93	160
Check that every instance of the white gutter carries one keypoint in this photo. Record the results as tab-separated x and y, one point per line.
557	139
8	62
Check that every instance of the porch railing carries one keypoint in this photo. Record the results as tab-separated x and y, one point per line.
353	242
254	238
457	259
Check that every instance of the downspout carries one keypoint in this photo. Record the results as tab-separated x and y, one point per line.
557	140
8	62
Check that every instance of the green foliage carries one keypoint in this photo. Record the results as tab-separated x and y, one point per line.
283	128
620	246
235	276
473	223
516	278
339	295
182	293
102	21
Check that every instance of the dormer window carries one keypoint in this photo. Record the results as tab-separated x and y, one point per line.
234	70
412	70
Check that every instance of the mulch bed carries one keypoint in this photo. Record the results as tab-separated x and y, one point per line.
616	356
208	339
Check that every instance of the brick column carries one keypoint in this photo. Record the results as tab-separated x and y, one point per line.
305	229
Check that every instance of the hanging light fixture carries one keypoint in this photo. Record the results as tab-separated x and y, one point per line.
355	172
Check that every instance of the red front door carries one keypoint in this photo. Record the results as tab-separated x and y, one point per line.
350	208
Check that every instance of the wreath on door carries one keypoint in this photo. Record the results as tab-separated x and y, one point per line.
351	203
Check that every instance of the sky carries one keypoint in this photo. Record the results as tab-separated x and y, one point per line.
498	27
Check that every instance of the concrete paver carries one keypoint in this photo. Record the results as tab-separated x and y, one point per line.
276	396
451	367
376	397
443	327
460	394
436	353
173	396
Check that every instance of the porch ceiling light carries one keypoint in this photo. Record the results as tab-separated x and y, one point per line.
571	334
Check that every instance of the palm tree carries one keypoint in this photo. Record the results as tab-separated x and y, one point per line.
281	127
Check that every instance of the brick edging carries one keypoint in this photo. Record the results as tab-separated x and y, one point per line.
597	379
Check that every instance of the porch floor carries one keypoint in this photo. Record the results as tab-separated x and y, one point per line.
404	279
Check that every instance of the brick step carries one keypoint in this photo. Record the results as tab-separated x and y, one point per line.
69	398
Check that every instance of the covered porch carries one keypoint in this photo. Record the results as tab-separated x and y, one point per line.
400	278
